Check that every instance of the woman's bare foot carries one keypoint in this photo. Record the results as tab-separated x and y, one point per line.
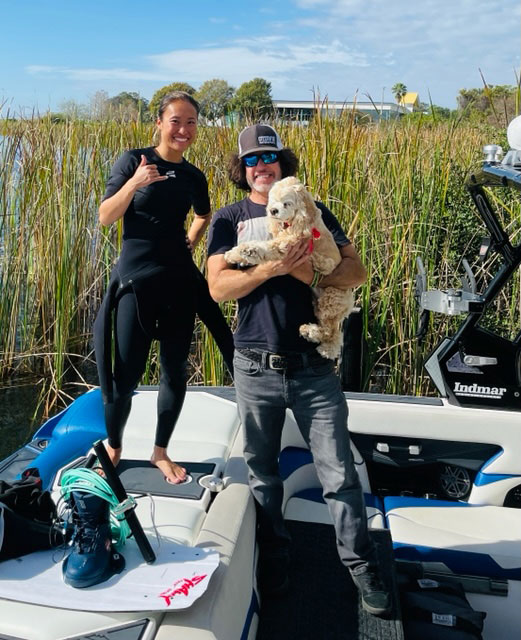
172	471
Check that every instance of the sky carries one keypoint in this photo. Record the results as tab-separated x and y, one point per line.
53	51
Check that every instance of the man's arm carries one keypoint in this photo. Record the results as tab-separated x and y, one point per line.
226	283
349	273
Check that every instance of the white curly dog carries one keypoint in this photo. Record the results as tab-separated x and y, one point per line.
293	216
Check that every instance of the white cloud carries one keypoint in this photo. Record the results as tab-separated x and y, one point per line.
265	57
269	57
93	74
340	46
430	44
459	28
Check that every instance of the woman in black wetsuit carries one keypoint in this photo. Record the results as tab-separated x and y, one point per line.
155	289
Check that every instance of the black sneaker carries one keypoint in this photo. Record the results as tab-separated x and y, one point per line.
375	597
272	576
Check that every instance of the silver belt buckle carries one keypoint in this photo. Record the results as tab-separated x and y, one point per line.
274	362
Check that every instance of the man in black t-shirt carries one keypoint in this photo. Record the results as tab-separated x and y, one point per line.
276	369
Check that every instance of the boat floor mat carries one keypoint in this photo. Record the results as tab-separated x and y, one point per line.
322	602
141	476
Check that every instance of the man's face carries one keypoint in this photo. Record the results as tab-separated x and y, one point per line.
262	176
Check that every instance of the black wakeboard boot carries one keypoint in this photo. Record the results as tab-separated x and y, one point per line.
92	559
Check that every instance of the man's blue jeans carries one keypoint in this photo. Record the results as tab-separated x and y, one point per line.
314	395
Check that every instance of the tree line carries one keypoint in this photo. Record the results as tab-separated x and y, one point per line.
216	98
492	104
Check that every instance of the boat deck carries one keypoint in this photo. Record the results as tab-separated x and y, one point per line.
323	603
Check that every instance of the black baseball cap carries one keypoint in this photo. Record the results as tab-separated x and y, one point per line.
258	137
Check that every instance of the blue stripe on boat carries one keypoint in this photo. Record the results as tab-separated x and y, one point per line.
292	458
466	562
483	479
398	502
253	608
314	494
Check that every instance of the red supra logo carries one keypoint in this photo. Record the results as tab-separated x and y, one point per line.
180	588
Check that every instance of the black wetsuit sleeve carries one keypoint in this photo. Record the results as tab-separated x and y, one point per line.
201	201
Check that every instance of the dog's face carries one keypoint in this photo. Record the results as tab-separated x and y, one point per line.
282	204
286	200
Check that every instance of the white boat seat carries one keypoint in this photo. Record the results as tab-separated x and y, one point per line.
470	539
298	471
205	419
206	432
309	505
303	498
292	443
177	520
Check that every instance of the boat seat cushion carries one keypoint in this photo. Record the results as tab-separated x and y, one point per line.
204	419
309	505
298	471
205	432
471	539
303	493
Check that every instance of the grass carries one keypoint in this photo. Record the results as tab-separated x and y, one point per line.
397	188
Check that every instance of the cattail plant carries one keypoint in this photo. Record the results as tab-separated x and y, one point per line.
396	187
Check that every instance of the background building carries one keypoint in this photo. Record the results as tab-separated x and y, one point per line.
303	110
411	101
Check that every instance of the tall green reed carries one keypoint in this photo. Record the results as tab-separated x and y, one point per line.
396	187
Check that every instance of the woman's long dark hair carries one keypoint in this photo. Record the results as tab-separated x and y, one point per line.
237	173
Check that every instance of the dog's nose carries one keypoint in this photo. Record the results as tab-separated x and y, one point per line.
274	211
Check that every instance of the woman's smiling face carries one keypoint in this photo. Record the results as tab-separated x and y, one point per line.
177	129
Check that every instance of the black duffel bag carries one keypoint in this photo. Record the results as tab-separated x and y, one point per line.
437	610
27	516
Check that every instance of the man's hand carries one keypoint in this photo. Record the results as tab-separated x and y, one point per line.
227	284
304	272
292	263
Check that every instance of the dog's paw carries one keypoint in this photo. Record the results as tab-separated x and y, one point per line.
253	254
323	264
311	332
245	254
232	256
329	350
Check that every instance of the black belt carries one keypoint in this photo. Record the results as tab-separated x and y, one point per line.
280	361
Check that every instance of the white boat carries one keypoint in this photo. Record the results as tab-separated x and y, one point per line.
442	479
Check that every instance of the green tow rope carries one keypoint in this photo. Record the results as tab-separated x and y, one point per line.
89	481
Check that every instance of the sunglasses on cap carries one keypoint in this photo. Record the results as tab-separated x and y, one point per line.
268	157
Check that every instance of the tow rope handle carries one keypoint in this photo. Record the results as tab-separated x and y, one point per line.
115	484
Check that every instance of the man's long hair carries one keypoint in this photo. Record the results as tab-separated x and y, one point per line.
237	173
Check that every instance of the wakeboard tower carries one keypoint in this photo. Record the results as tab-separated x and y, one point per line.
477	367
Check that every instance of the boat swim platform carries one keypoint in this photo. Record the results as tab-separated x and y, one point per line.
322	602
